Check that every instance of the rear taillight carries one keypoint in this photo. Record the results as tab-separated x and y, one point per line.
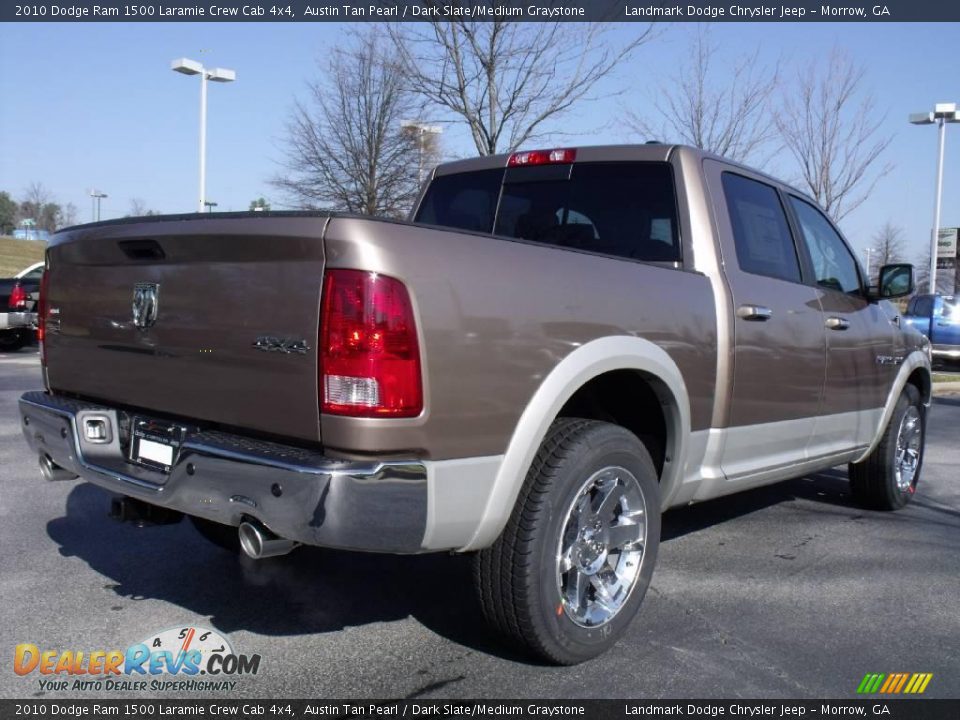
369	353
42	316
542	157
18	298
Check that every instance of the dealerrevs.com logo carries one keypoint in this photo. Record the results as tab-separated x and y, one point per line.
178	659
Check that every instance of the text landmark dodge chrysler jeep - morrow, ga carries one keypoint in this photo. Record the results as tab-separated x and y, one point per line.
559	346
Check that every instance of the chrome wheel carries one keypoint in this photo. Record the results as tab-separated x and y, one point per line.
601	547
909	444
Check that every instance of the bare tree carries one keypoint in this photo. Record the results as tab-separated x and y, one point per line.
38	205
139	208
345	148
727	113
832	129
36	196
508	81
69	215
887	245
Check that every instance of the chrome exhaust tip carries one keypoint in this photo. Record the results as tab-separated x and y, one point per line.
53	472
258	542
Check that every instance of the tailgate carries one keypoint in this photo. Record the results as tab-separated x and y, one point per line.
209	318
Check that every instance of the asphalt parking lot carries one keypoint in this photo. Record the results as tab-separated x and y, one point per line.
788	591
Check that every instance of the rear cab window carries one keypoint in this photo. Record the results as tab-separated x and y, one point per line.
622	209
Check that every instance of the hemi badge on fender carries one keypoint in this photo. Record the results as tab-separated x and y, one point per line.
889	359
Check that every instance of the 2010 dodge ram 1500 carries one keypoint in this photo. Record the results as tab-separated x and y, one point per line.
560	345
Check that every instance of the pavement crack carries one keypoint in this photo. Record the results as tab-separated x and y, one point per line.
434	686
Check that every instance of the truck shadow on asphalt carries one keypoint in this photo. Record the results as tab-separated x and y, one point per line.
313	590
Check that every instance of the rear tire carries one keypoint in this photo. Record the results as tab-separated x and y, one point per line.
12	340
887	478
223	536
570	570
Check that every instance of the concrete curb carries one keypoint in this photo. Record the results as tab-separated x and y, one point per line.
945	388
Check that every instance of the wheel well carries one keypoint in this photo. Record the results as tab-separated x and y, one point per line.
921	379
628	398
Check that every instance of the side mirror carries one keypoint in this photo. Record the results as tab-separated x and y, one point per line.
894	281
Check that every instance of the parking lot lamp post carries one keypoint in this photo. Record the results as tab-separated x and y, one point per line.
421	131
942	114
224	75
95	197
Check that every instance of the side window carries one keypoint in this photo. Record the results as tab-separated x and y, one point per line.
760	230
912	307
833	265
924	306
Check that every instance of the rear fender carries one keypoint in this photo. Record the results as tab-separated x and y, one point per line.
579	367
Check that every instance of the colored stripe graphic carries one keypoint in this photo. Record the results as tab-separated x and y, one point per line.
870	683
891	680
918	683
894	683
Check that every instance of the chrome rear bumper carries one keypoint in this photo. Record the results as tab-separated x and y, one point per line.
299	494
12	320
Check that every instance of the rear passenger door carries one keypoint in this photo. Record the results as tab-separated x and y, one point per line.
861	363
779	352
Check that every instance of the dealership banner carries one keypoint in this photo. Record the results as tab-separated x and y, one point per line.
484	10
522	709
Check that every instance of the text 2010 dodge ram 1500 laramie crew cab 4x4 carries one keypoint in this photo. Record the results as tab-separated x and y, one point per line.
560	345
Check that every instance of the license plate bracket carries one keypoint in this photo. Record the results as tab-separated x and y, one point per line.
155	444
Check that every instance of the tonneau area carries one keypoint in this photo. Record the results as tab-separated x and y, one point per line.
210	317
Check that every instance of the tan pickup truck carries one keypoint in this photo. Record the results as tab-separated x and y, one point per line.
559	346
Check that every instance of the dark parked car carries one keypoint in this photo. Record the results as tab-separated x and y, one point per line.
18	304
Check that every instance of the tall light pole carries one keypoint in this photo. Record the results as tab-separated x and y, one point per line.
869	274
95	197
942	114
422	130
224	75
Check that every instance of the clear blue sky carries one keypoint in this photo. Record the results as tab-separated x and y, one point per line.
95	105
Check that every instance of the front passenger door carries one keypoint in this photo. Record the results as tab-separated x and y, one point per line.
860	338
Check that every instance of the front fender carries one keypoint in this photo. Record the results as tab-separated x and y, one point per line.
916	360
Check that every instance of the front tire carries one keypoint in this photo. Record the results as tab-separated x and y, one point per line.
570	570
887	478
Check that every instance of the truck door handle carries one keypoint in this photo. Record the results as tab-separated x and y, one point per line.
835	323
754	312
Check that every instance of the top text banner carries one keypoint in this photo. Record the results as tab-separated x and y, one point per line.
481	10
